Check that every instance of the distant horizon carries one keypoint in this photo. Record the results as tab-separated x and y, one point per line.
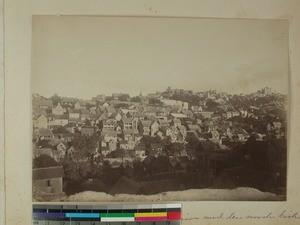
145	94
83	56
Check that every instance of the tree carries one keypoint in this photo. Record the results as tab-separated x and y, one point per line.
85	150
55	99
60	130
108	98
192	99
155	101
87	122
257	153
192	141
135	99
147	141
139	169
121	105
118	153
76	170
172	149
124	97
86	145
212	105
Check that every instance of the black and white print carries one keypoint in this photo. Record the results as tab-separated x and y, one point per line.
159	109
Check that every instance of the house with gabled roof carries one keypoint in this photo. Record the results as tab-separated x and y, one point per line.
138	115
100	109
150	111
101	117
127	145
44	103
55	148
48	182
61	120
72	127
129	113
172	133
144	127
176	122
74	114
108	135
112	145
129	134
127	123
58	110
154	128
163	123
77	105
110	110
116	116
84	114
42	121
43	149
118	128
108	124
44	133
93	119
105	104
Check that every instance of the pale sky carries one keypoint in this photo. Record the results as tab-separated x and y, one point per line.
86	56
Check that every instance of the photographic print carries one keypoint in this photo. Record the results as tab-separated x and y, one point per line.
159	109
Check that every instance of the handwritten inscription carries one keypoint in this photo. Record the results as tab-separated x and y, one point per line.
235	216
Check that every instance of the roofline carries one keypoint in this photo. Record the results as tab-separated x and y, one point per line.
48	167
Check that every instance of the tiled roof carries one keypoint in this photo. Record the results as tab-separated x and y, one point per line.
59	117
48	173
44	132
126	120
74	110
146	123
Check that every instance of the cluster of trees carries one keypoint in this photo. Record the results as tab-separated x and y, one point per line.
155	102
55	99
136	99
192	99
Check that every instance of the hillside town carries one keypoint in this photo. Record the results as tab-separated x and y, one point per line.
165	141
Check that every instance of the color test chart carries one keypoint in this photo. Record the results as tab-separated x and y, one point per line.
149	214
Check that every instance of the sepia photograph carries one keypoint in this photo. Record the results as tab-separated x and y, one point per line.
159	109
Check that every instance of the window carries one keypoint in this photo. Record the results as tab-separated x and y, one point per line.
48	183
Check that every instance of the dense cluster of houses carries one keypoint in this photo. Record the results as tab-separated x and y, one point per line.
121	122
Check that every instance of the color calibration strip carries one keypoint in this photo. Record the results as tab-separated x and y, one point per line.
108	213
